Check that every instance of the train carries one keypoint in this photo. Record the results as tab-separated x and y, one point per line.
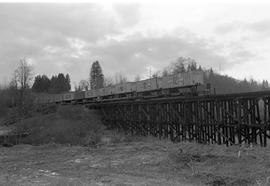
185	83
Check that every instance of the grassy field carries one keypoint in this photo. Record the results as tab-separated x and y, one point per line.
144	161
72	147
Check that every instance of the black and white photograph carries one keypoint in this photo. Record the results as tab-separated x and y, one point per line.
135	93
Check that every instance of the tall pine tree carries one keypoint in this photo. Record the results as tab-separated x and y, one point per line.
96	76
67	83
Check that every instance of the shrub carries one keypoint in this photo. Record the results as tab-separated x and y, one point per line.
69	125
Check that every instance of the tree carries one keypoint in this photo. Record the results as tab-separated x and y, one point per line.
67	83
96	76
179	65
83	85
165	73
22	79
53	85
41	84
59	83
108	81
265	85
23	74
193	66
120	78
77	88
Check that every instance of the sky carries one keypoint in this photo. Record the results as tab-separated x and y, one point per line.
134	37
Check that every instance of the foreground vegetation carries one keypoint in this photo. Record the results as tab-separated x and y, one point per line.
134	161
74	125
71	146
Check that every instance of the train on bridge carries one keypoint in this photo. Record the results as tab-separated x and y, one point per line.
136	108
185	83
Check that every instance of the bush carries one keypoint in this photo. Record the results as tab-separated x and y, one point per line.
69	125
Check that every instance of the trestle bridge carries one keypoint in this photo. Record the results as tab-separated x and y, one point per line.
221	119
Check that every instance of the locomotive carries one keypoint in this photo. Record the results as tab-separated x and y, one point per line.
185	83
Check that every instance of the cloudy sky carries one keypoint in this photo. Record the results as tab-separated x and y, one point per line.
233	38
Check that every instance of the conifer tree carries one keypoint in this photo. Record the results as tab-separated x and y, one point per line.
96	76
67	83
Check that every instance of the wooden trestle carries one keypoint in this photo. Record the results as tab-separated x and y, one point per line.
222	119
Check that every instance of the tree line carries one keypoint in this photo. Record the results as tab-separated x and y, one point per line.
57	84
19	93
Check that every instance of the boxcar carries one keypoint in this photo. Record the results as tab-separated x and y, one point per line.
120	88
172	81
68	96
143	85
109	90
79	95
197	77
132	86
58	98
100	92
90	94
149	84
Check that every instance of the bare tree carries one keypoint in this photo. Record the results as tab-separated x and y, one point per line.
156	74
23	74
120	78
23	77
108	81
84	85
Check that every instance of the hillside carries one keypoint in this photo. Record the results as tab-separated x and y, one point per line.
74	125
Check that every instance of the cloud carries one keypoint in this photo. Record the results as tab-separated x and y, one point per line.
45	32
262	26
128	14
68	37
134	54
256	27
125	38
226	28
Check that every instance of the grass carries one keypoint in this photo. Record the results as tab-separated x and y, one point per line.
147	160
220	165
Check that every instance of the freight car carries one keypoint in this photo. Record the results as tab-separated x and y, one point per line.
177	84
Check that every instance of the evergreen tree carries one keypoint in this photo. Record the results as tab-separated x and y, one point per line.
96	76
45	83
61	83
193	66
178	66
67	83
41	84
53	85
265	85
37	84
57	84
